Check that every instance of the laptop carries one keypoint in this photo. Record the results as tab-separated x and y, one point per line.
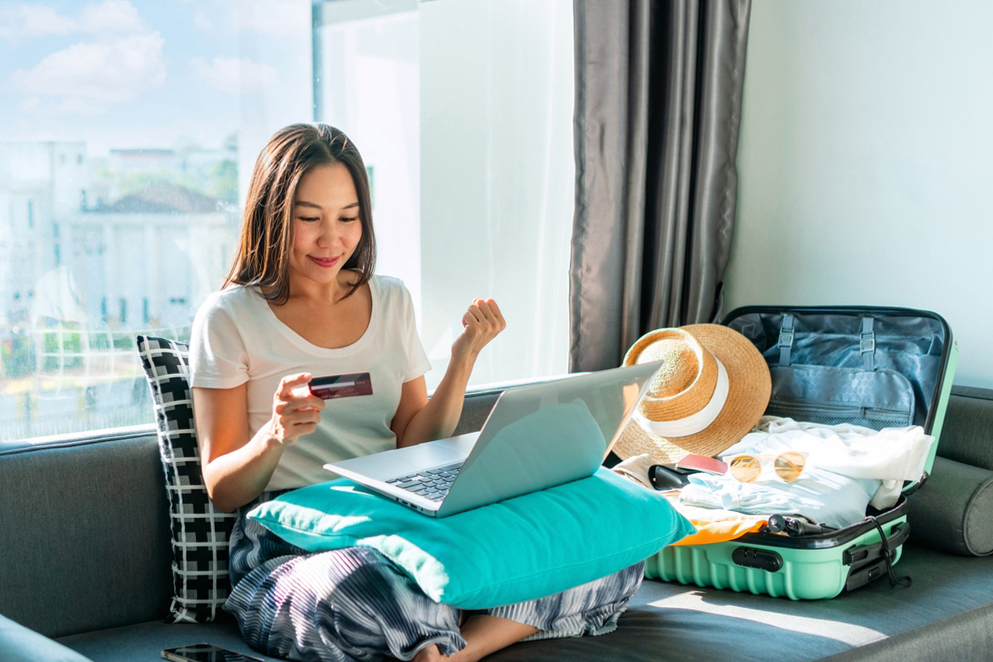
535	437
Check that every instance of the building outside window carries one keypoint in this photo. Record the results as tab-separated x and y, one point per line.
131	129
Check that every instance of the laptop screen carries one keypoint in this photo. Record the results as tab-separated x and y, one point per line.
564	422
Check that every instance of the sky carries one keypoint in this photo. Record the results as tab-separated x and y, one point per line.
151	73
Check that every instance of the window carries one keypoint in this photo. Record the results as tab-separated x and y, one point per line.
132	129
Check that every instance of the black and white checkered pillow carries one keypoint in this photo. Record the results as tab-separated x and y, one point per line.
199	531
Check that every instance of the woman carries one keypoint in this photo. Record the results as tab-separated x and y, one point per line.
301	300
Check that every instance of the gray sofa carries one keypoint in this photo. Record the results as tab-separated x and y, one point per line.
85	569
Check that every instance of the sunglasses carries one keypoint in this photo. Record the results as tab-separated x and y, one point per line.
747	467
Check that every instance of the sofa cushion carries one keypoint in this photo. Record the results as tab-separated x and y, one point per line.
515	550
669	622
145	641
199	531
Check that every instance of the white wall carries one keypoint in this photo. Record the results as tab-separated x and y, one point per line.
864	162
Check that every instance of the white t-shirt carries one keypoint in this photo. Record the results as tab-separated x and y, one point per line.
236	338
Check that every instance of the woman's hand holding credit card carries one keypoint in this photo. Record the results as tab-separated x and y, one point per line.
297	413
331	387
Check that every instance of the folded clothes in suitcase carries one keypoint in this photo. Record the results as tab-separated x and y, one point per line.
872	367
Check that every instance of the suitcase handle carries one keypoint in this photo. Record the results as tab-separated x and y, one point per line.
869	562
859	555
867	341
763	559
864	575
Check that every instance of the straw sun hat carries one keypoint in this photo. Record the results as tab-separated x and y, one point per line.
713	387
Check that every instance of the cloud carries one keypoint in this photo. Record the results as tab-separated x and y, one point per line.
31	105
115	70
273	17
30	20
36	106
26	21
111	16
235	75
80	107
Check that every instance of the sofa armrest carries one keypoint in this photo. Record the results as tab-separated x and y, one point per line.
954	510
84	530
967	432
19	644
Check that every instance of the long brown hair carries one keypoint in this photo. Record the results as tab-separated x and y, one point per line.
263	257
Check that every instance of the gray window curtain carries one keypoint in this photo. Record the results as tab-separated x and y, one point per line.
658	103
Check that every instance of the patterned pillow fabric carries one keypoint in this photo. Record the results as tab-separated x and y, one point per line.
199	531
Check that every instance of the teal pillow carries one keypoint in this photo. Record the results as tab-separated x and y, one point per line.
516	550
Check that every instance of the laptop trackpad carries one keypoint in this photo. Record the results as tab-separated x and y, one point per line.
402	461
461	444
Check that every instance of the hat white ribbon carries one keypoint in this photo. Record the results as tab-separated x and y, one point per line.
698	422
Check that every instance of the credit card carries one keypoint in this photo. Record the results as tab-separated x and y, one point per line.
341	386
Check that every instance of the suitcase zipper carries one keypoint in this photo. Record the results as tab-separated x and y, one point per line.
826	413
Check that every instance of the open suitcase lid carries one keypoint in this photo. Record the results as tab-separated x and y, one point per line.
871	366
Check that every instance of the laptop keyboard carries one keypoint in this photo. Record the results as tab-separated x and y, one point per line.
432	484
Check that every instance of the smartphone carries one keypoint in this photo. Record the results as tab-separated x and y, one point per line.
341	386
206	653
710	465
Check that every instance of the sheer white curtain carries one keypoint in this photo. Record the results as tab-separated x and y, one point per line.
463	112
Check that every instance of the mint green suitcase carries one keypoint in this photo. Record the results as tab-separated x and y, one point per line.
876	367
